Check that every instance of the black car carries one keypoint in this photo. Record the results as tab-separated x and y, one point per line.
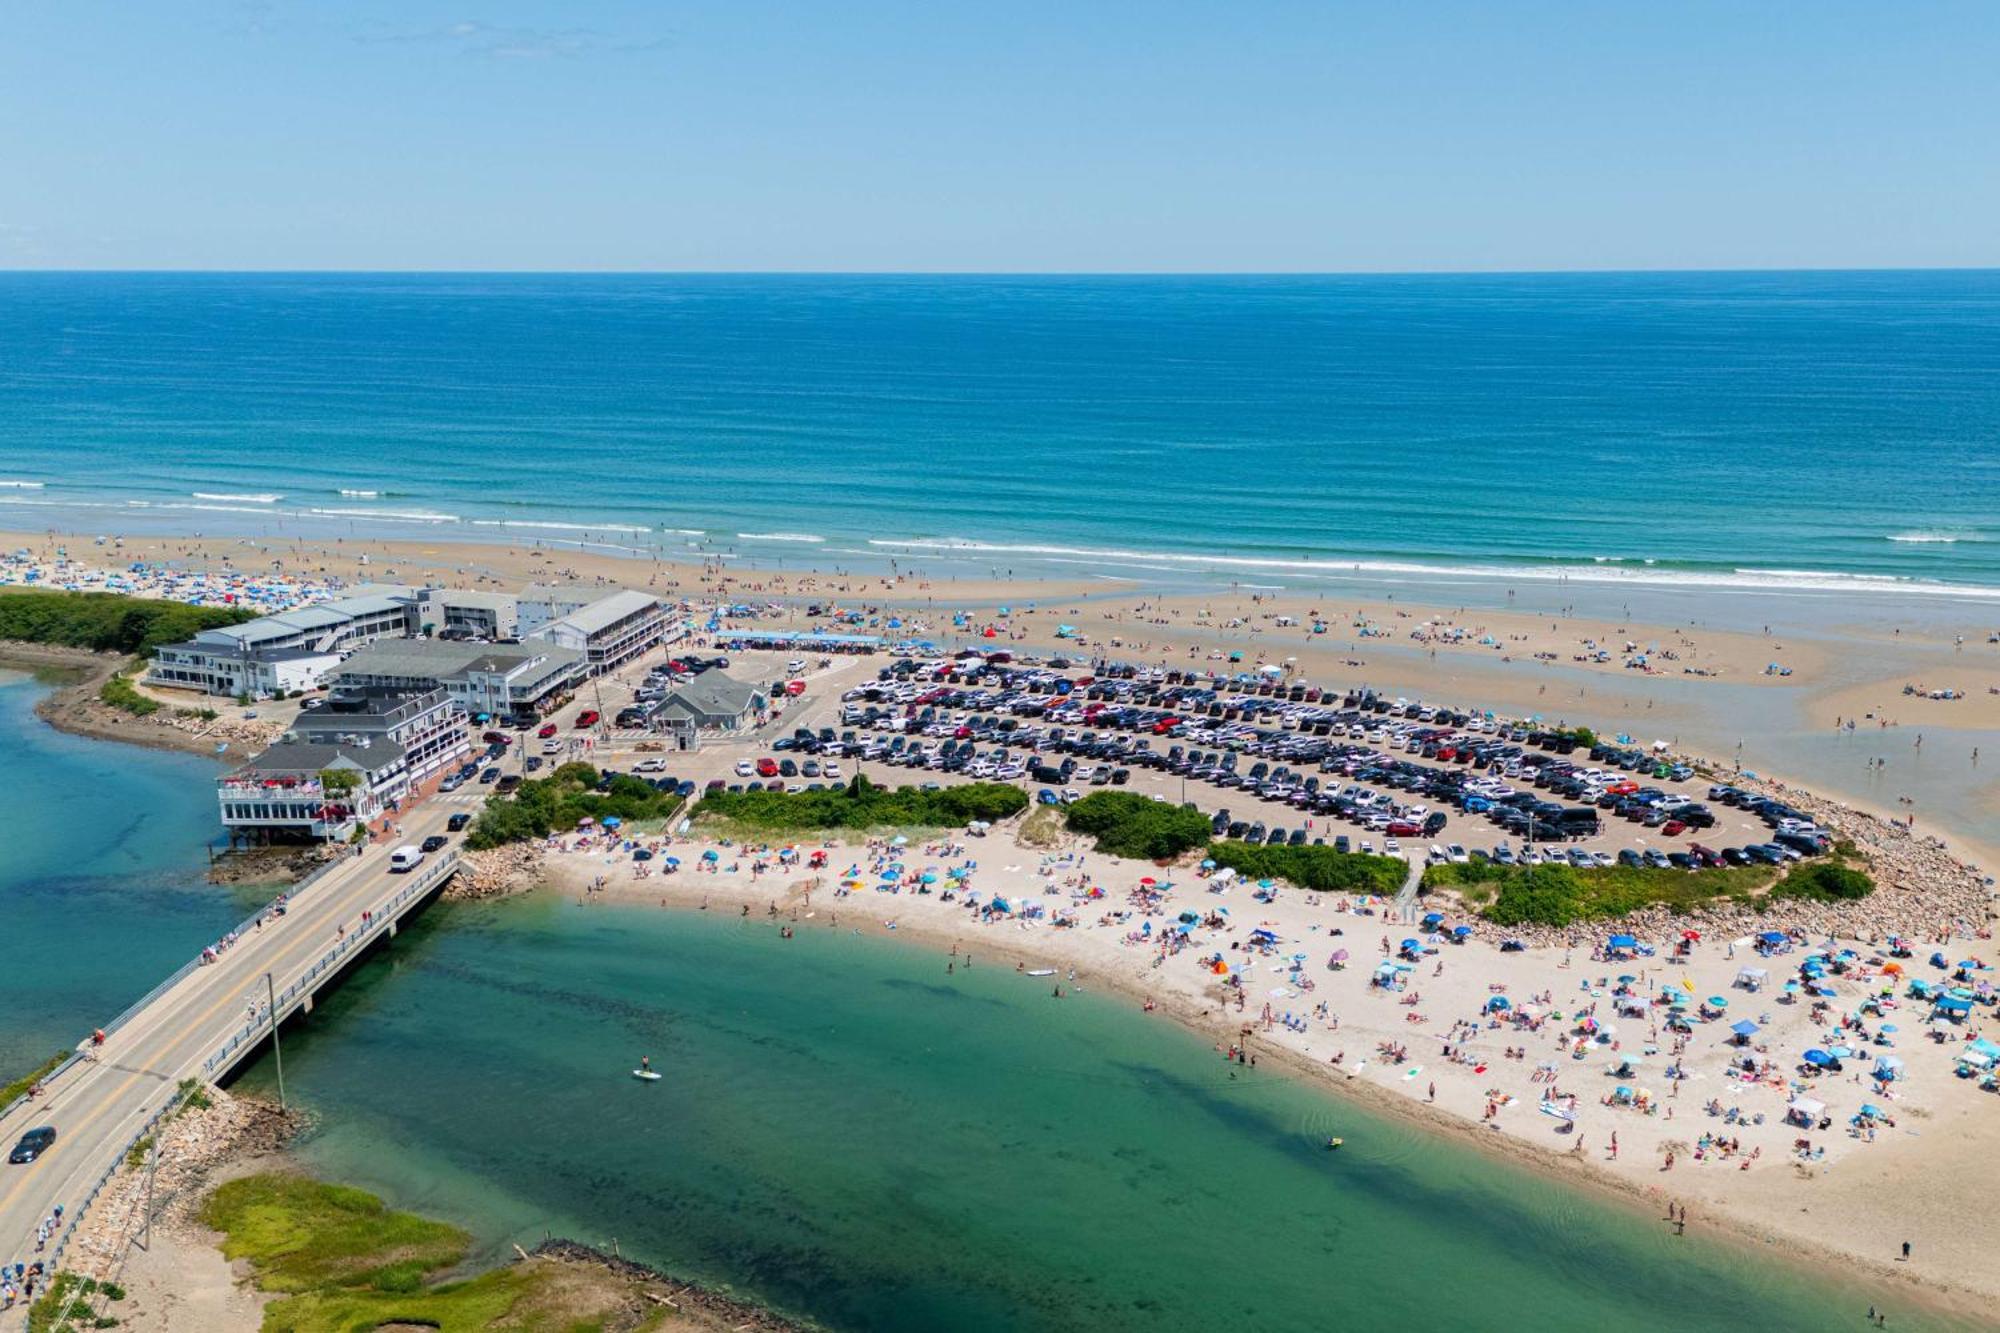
32	1145
434	843
457	822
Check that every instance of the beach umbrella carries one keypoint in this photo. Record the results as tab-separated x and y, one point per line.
1208	864
1412	944
710	855
1340	955
1148	882
613	821
1890	1027
1461	931
1627	979
673	860
1745	1028
1266	883
927	879
1872	1110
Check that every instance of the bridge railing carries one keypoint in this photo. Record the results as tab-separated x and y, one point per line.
104	1178
180	974
291	996
380	918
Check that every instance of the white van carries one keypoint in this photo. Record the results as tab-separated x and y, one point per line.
405	858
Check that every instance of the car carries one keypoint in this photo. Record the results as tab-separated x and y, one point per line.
457	822
507	784
587	718
32	1145
830	769
1628	857
434	843
548	730
767	768
490	775
1457	853
744	768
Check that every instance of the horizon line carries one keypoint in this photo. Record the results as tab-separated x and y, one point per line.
275	271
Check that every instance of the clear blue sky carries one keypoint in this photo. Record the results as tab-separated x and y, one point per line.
1006	135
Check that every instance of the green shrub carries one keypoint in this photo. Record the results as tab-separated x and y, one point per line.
1128	824
1823	881
1552	895
1321	869
106	622
555	803
863	805
118	692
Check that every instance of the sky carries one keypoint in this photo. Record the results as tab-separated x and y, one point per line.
1085	136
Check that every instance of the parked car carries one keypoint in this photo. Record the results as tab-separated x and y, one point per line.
457	822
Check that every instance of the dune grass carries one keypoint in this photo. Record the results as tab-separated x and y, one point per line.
342	1260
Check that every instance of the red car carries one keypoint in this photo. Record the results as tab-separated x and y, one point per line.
587	718
547	731
1673	828
767	768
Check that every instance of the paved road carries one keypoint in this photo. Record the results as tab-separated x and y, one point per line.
98	1107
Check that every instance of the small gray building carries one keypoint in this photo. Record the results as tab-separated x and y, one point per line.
711	702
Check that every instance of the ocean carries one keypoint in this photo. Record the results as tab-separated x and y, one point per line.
1813	432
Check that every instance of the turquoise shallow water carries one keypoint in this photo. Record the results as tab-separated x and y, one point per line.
848	1132
1740	430
843	1130
101	876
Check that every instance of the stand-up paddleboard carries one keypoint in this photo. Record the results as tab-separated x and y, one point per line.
646	1074
1041	971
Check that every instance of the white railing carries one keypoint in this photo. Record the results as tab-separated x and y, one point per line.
179	974
288	999
291	996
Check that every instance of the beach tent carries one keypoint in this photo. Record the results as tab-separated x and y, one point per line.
1751	978
1744	1029
1953	1006
1621	944
1818	1059
1495	1003
1805	1111
1889	1068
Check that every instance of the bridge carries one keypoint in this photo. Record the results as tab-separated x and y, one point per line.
202	1022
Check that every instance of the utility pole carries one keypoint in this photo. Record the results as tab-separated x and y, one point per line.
277	1047
152	1168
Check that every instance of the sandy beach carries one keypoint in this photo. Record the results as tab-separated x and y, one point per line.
1431	1048
1441	1047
